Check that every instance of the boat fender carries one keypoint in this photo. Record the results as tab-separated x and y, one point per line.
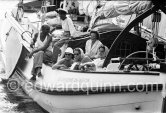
163	67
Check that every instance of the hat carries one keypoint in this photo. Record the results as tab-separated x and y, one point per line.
69	50
62	11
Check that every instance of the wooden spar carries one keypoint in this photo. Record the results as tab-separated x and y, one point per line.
125	31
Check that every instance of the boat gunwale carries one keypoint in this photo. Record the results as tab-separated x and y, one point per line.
103	90
115	72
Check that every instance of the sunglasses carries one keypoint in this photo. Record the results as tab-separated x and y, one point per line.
76	54
101	51
68	54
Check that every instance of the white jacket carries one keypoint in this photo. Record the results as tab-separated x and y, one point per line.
91	51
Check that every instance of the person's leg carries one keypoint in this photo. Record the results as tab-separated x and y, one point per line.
63	49
37	64
47	56
57	50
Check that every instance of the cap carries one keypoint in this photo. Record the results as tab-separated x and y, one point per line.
62	11
69	50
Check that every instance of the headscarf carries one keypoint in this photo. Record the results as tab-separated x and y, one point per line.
81	52
75	65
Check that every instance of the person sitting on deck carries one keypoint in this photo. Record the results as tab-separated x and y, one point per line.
93	44
102	52
68	28
66	62
81	61
42	50
101	55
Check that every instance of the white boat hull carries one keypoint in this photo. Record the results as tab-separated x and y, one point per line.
125	102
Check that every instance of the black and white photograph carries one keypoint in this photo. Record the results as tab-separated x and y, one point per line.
82	56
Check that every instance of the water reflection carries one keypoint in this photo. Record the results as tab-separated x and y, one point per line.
16	102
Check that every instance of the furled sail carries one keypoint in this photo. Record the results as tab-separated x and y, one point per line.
115	8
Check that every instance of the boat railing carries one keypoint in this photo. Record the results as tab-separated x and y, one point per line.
30	26
25	37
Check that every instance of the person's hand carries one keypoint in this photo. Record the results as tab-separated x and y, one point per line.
31	54
92	58
31	45
63	67
89	66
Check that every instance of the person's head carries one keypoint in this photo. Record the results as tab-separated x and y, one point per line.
94	35
69	53
102	52
45	29
101	49
78	54
62	13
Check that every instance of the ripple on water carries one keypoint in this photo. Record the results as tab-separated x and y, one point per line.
5	106
16	102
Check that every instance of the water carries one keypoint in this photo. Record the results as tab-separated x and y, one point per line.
13	102
16	102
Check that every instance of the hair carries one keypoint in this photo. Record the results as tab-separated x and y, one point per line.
102	46
77	49
45	27
96	32
61	11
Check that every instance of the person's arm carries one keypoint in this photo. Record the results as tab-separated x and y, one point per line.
86	59
33	40
87	47
59	65
71	27
43	48
88	66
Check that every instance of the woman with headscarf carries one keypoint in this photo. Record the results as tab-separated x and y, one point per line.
81	60
93	44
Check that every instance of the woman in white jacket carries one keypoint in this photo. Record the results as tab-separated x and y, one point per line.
93	44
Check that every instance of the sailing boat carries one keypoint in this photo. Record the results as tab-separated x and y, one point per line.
104	91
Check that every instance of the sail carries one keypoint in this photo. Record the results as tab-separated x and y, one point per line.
115	8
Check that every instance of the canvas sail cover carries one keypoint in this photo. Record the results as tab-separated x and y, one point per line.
115	8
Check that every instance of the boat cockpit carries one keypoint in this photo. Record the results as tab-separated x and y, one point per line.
133	48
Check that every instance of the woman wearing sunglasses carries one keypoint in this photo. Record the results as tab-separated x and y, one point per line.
81	62
66	62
